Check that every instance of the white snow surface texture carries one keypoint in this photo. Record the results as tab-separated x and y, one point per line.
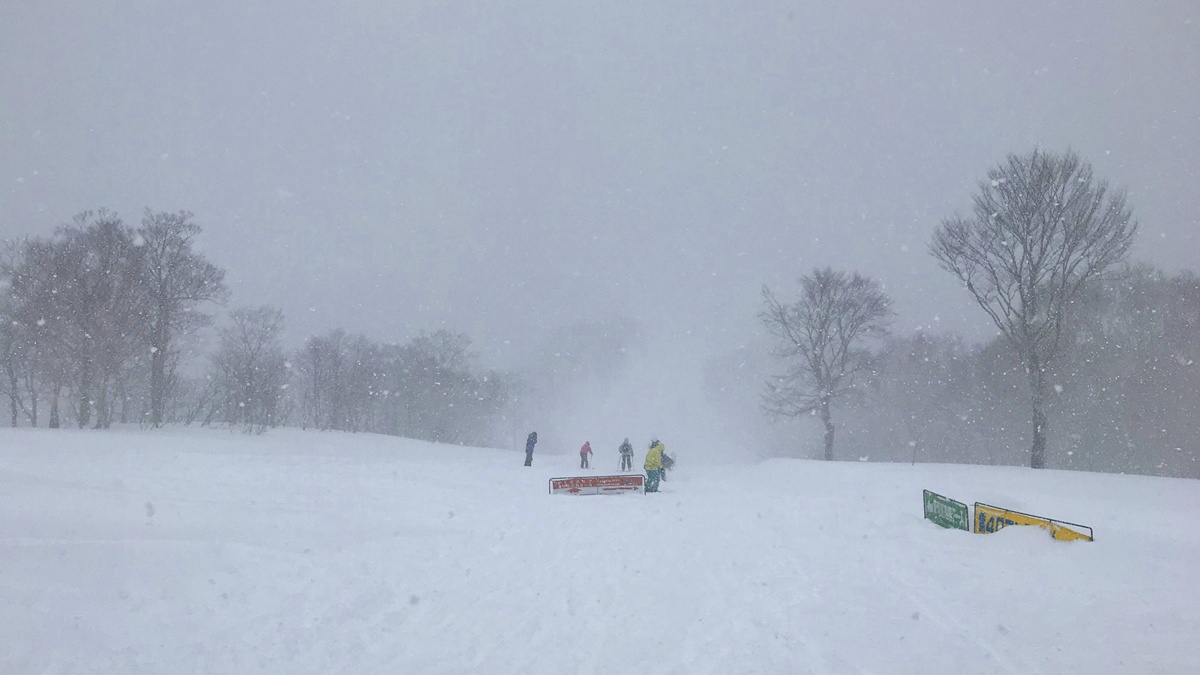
205	551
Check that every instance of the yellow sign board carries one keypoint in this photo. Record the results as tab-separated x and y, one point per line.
992	518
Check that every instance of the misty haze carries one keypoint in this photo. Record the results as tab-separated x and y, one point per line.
286	289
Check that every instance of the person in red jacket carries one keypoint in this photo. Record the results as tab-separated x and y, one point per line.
585	453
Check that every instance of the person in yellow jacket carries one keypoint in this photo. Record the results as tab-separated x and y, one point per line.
654	465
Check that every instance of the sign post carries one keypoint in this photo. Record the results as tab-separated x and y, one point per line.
990	518
598	485
947	512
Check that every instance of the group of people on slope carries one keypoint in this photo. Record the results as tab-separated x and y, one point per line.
656	464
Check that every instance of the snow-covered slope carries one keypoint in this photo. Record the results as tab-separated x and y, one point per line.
205	551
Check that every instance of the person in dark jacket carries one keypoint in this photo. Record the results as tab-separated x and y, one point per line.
585	455
529	443
626	456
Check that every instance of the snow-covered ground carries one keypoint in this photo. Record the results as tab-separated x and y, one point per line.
201	551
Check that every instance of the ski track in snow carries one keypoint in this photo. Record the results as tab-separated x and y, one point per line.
301	552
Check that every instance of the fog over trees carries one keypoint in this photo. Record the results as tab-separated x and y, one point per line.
106	324
1123	397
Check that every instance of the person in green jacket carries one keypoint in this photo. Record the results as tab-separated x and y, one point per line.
654	465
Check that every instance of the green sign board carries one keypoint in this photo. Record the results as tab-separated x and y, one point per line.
947	512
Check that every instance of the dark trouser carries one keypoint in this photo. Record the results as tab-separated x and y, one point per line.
626	462
652	476
529	459
583	463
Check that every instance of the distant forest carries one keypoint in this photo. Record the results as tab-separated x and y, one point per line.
103	324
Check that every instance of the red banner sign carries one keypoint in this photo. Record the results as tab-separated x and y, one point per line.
598	485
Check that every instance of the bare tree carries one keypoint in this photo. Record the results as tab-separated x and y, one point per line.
1042	226
321	366
115	311
249	370
820	338
14	359
176	279
14	344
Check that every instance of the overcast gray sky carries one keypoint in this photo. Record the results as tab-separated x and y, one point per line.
500	168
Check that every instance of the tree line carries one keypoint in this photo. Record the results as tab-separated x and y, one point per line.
100	325
1108	350
1095	363
98	309
1122	397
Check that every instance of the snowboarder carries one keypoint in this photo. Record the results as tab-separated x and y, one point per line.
529	443
626	456
585	454
654	464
